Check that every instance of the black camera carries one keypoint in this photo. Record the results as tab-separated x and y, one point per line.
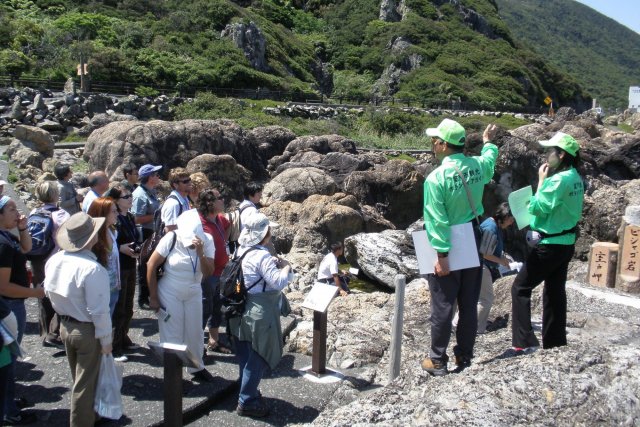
136	247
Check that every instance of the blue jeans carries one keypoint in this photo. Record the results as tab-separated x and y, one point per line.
18	309
113	300
252	367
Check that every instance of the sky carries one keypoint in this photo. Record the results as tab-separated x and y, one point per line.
626	12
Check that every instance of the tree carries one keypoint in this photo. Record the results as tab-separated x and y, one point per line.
14	63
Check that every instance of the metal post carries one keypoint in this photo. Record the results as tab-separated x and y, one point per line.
396	329
319	357
172	390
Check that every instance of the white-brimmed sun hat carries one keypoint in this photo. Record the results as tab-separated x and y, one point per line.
255	229
76	232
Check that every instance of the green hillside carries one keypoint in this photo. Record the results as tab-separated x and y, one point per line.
601	54
436	50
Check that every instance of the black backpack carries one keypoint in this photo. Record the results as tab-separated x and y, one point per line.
233	292
150	244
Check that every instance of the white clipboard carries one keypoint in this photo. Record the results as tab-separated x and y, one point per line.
519	204
463	253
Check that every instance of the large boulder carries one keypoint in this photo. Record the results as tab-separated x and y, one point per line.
38	139
381	256
270	140
393	188
169	144
221	169
337	165
23	154
298	184
311	226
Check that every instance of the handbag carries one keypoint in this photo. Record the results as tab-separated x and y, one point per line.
108	401
488	240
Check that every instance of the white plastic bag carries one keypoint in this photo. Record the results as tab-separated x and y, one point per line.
108	402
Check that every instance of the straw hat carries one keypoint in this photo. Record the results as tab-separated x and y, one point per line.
255	229
76	232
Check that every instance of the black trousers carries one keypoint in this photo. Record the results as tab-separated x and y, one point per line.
546	263
462	286
143	288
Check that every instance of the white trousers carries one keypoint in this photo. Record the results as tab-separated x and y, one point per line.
183	301
485	301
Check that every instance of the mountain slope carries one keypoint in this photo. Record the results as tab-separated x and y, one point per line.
433	51
603	55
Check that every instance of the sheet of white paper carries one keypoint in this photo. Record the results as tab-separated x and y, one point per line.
189	225
320	297
354	271
519	204
463	253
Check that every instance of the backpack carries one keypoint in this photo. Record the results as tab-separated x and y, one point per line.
236	225
149	245
233	293
40	226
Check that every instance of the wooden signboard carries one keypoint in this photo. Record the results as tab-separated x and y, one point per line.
629	265
602	264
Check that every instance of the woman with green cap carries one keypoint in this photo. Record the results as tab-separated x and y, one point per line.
556	209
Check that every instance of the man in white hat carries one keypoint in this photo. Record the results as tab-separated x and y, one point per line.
78	287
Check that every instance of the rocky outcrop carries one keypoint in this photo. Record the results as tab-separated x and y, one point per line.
169	144
270	141
297	184
40	139
393	188
250	40
221	169
393	10
311	226
381	256
101	120
389	81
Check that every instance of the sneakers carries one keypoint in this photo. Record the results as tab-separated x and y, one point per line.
524	350
256	410
119	357
435	367
20	419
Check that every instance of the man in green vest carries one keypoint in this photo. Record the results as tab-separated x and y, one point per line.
446	204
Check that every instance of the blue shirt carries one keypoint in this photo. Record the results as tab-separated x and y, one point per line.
490	225
145	202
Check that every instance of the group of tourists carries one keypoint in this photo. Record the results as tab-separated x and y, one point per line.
452	196
119	235
86	282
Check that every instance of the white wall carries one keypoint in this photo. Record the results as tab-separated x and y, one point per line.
634	97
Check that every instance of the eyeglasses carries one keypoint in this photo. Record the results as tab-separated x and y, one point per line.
185	181
128	196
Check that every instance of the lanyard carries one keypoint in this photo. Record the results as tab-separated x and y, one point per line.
215	222
194	265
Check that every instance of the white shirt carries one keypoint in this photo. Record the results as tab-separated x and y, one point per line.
328	267
78	286
246	208
88	199
182	265
259	264
171	208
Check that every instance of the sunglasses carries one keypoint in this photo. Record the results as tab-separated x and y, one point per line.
185	181
128	196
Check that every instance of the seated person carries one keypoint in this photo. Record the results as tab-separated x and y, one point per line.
328	271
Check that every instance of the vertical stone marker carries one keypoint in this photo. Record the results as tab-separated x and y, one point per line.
602	264
628	279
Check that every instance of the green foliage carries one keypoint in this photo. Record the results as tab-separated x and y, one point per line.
13	62
74	137
146	92
395	122
349	84
626	128
601	54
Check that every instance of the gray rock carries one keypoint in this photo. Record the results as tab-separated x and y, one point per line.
381	256
250	39
298	184
221	169
40	138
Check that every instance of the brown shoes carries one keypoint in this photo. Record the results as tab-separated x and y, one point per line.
435	367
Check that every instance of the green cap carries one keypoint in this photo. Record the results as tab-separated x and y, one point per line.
564	141
449	131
